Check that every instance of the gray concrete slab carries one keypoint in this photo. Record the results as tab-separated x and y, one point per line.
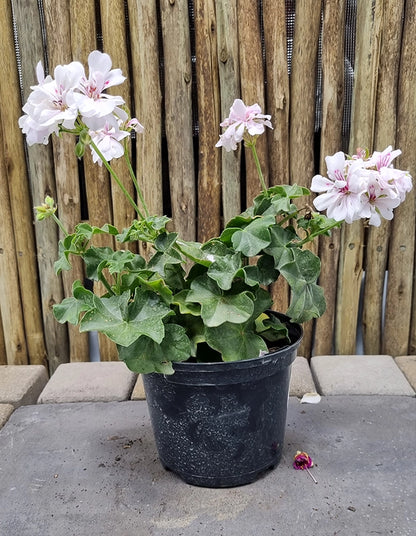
21	385
92	469
105	381
359	375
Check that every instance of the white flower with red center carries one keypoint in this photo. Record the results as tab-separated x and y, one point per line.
361	186
91	99
106	135
51	103
242	121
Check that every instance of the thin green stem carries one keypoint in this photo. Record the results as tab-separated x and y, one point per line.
312	236
60	224
118	181
252	145
134	179
106	284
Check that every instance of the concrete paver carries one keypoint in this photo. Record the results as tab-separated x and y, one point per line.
301	380
21	384
5	411
359	375
92	469
407	364
89	382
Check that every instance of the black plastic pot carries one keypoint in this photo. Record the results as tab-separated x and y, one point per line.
222	424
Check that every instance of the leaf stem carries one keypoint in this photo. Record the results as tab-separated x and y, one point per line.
118	181
134	179
252	145
60	224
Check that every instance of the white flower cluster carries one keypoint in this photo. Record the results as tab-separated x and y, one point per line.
71	102
362	186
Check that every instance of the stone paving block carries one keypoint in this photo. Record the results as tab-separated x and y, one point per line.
407	364
301	380
138	391
359	375
20	385
89	382
5	411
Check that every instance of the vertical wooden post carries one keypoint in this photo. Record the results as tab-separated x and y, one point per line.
399	327
229	76
147	100
20	202
209	160
115	40
57	20
178	113
278	100
331	141
12	329
42	183
302	109
384	135
252	87
350	272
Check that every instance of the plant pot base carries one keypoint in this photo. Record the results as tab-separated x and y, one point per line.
222	424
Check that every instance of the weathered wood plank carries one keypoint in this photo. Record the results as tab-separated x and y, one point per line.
42	183
114	32
331	141
178	115
13	328
97	180
229	77
277	97
147	100
209	158
3	351
252	88
376	252
302	110
20	202
398	327
57	22
362	132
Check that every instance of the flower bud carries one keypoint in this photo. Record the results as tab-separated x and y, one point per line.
80	149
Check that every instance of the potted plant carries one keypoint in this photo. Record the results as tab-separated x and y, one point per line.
196	318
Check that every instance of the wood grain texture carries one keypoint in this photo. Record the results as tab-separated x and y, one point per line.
178	114
42	183
362	133
302	111
399	327
252	88
208	92
331	141
229	78
58	25
376	253
19	192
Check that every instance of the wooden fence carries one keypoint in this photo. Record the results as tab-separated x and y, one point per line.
333	77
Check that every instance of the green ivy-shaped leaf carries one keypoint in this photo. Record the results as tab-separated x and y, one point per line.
124	320
255	237
235	341
145	355
218	306
71	308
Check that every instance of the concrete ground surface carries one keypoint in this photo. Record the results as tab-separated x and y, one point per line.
91	469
